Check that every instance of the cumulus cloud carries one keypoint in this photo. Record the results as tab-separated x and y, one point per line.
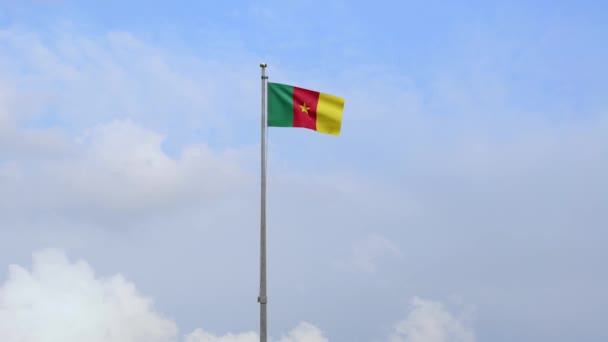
124	165
429	321
121	167
59	300
63	301
304	332
200	335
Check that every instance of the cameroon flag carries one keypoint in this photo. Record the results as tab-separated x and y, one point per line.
290	106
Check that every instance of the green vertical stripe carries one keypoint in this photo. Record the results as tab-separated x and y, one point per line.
280	105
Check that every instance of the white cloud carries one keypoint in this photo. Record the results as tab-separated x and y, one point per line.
430	322
304	332
123	166
200	335
367	252
59	300
120	167
63	301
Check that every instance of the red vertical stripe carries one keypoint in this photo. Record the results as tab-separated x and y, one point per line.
305	100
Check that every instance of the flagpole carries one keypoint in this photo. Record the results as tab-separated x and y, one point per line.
262	299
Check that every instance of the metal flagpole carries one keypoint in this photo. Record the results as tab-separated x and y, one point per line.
262	299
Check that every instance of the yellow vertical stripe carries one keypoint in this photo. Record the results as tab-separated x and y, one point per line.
329	114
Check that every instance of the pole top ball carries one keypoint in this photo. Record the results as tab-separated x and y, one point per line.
262	65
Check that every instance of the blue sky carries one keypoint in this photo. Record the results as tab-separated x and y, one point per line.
465	199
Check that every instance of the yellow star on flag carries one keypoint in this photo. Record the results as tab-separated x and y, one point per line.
304	108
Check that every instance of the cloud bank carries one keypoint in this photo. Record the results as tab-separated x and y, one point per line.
60	300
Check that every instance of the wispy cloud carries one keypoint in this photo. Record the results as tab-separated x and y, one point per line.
132	79
368	252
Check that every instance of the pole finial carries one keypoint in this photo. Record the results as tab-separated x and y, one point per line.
263	65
